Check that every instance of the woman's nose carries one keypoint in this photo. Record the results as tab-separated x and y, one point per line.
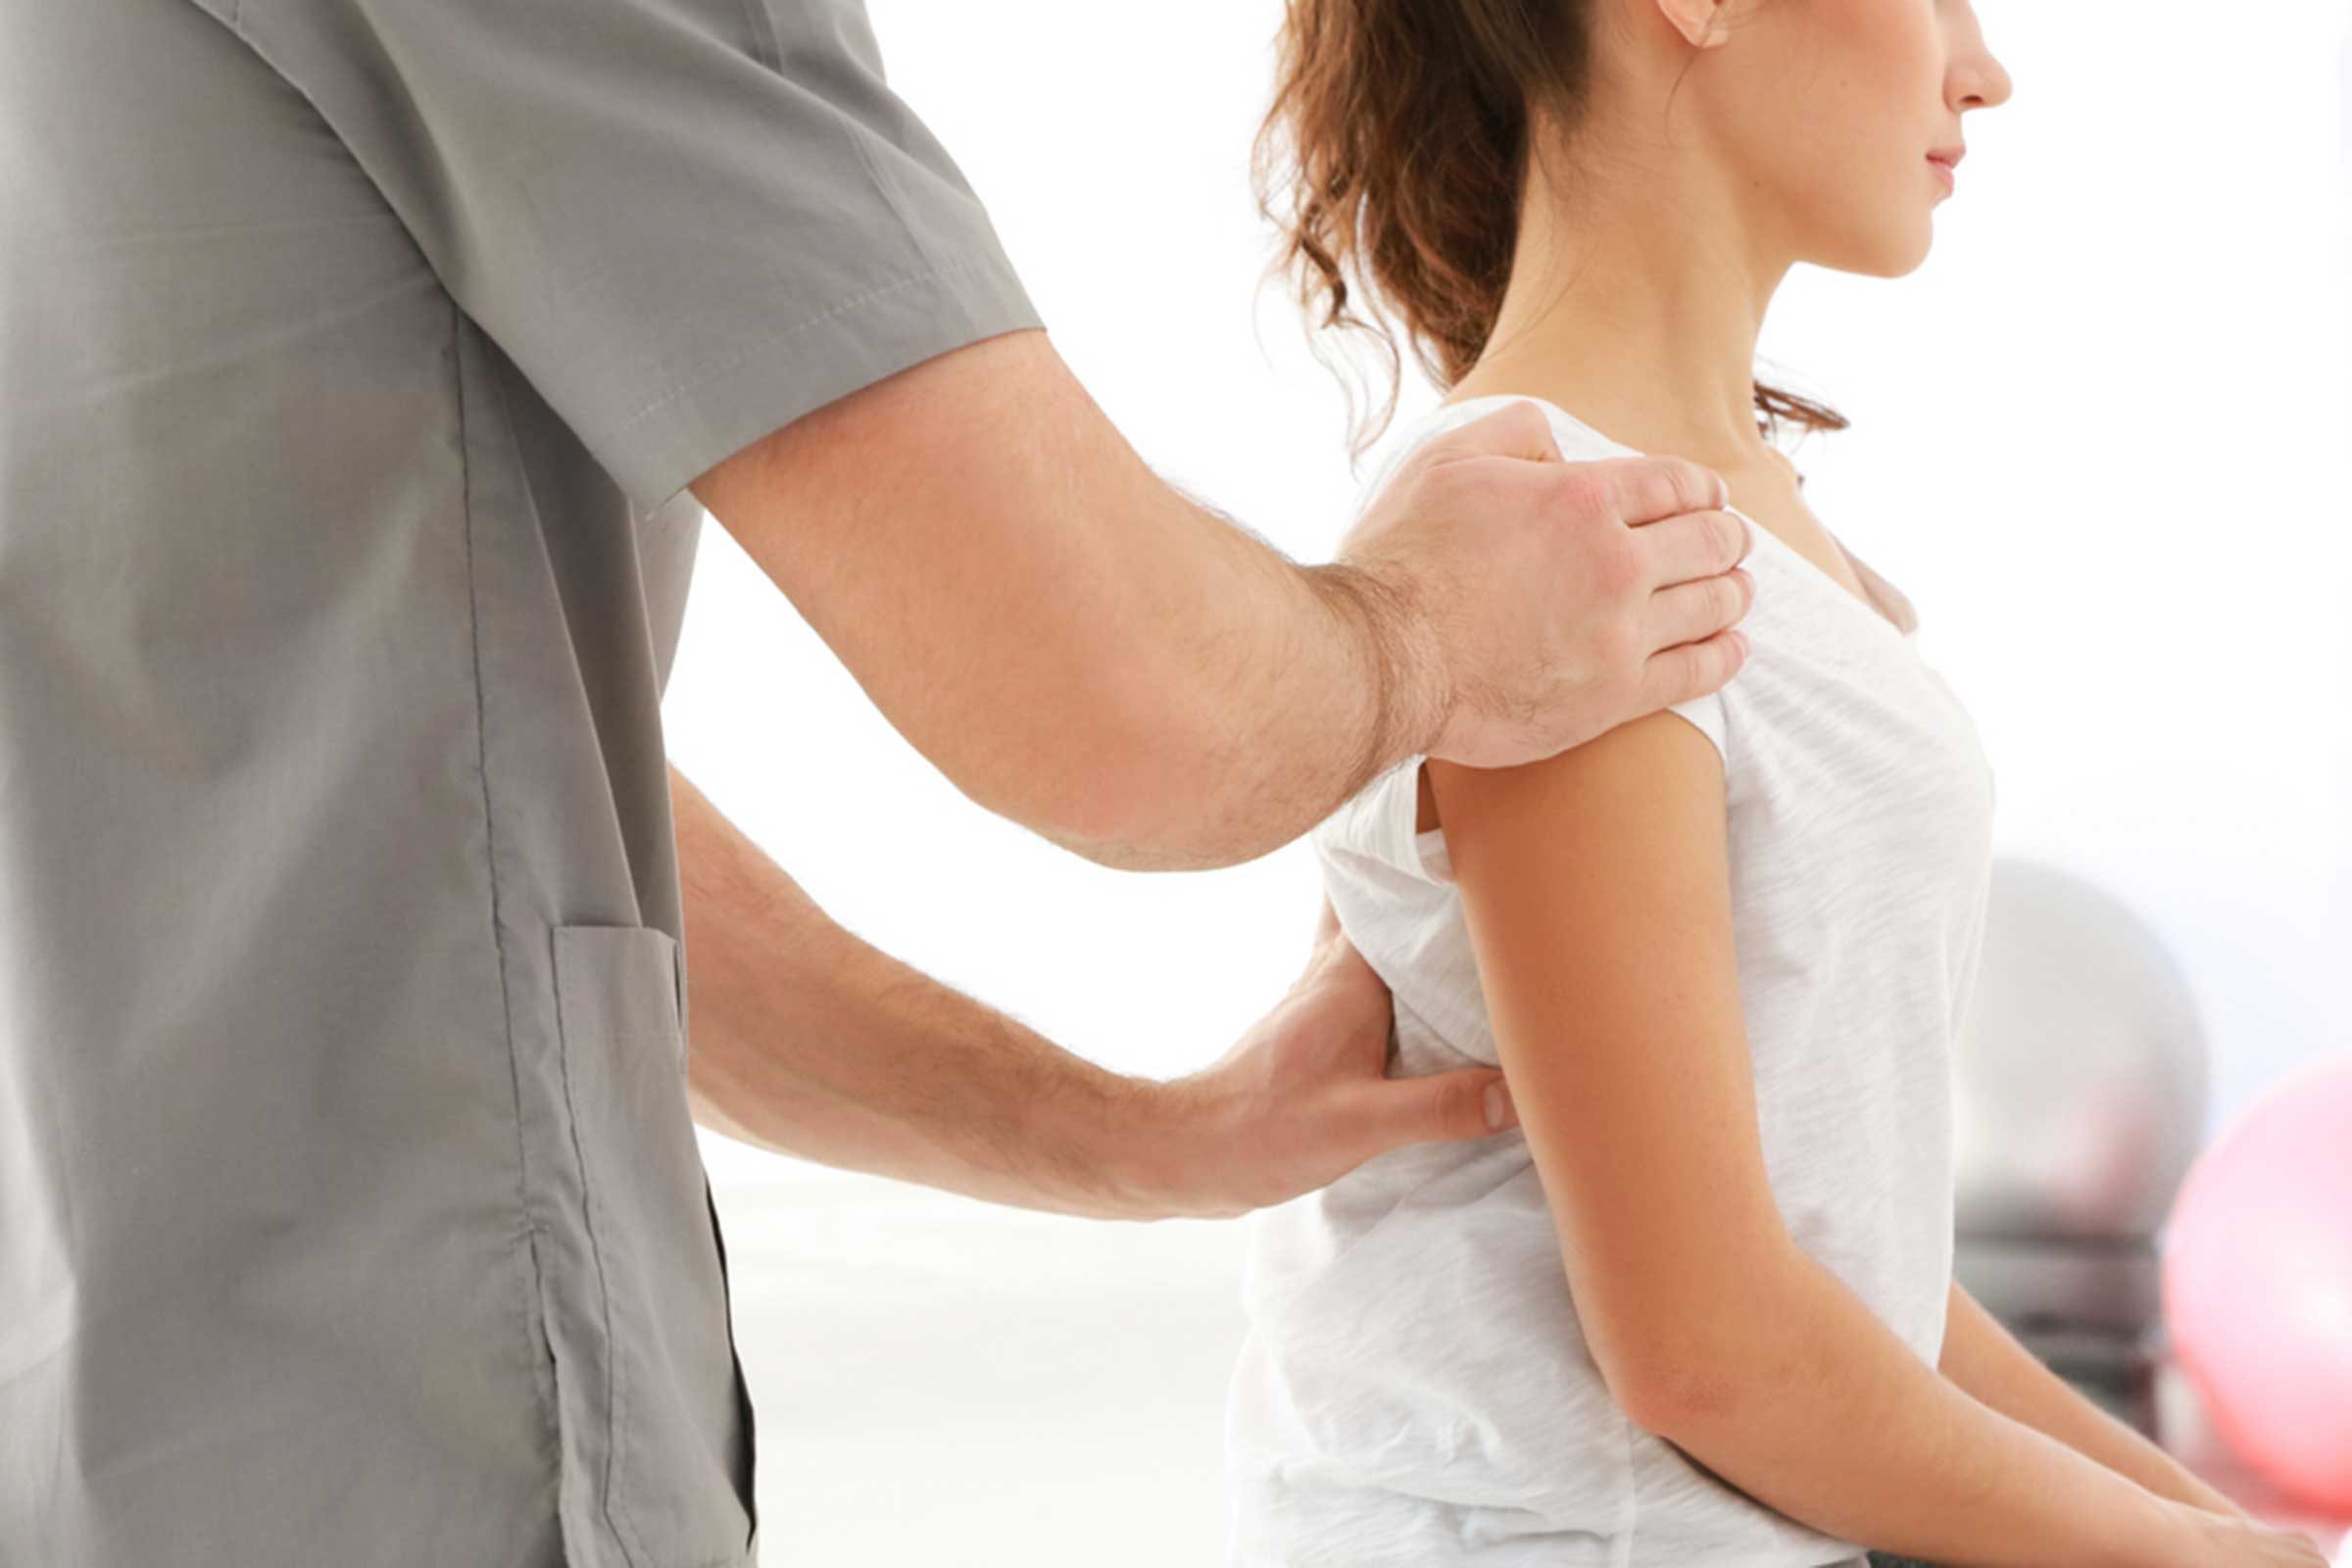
1988	87
1979	80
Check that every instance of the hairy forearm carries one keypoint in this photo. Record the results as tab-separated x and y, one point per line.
806	1040
1077	645
1232	699
1280	690
1821	1413
1289	690
1985	1359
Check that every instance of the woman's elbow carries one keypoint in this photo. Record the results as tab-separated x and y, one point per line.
1692	1370
1671	1394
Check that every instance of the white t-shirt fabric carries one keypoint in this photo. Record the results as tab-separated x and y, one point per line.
1414	1387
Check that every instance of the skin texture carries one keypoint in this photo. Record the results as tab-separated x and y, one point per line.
1725	143
809	1042
1084	649
1089	653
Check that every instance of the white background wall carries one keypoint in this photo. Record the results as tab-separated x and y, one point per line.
2100	438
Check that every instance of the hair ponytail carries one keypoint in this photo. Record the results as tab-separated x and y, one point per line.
1393	152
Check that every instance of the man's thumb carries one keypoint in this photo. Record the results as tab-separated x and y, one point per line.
1469	1102
1495	1103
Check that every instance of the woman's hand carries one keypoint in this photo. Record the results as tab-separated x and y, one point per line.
1303	1097
2209	1540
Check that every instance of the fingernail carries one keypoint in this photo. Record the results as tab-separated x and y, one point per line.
1499	1107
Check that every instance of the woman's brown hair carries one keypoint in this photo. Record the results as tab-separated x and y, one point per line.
1395	150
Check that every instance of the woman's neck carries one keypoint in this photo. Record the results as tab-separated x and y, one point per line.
1637	307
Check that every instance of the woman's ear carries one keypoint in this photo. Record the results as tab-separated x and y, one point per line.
1700	22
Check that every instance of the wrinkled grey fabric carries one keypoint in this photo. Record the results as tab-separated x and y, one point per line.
354	356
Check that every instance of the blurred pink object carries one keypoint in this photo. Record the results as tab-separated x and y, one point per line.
2257	1284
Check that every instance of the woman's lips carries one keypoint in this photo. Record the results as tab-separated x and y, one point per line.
1945	160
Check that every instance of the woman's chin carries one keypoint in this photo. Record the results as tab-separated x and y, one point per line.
1888	253
1915	253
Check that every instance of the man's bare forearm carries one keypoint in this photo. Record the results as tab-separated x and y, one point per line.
1078	646
1299	683
1285	689
1983	1357
806	1040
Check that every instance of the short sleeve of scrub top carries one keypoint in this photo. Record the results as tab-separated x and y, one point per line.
687	222
355	356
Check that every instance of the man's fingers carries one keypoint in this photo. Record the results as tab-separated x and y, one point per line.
1644	489
1647	489
1690	669
1691	612
1693	545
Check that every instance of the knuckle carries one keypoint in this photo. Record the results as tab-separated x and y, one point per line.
1578	488
1617	642
1419	476
1616	564
1691	487
1673	475
1428	486
1686	668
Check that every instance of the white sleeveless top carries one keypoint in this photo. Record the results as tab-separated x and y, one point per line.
1414	1387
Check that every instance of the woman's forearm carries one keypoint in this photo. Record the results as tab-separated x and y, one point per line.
1984	1358
1825	1415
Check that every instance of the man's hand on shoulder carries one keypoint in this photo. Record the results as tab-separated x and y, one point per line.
1083	650
1528	604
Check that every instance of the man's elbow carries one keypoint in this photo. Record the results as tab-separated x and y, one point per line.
1147	797
1139	829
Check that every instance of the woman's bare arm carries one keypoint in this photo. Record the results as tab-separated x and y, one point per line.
1595	885
1987	1360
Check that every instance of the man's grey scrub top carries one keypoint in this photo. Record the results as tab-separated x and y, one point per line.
354	356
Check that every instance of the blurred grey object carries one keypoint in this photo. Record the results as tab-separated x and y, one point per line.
2081	1095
